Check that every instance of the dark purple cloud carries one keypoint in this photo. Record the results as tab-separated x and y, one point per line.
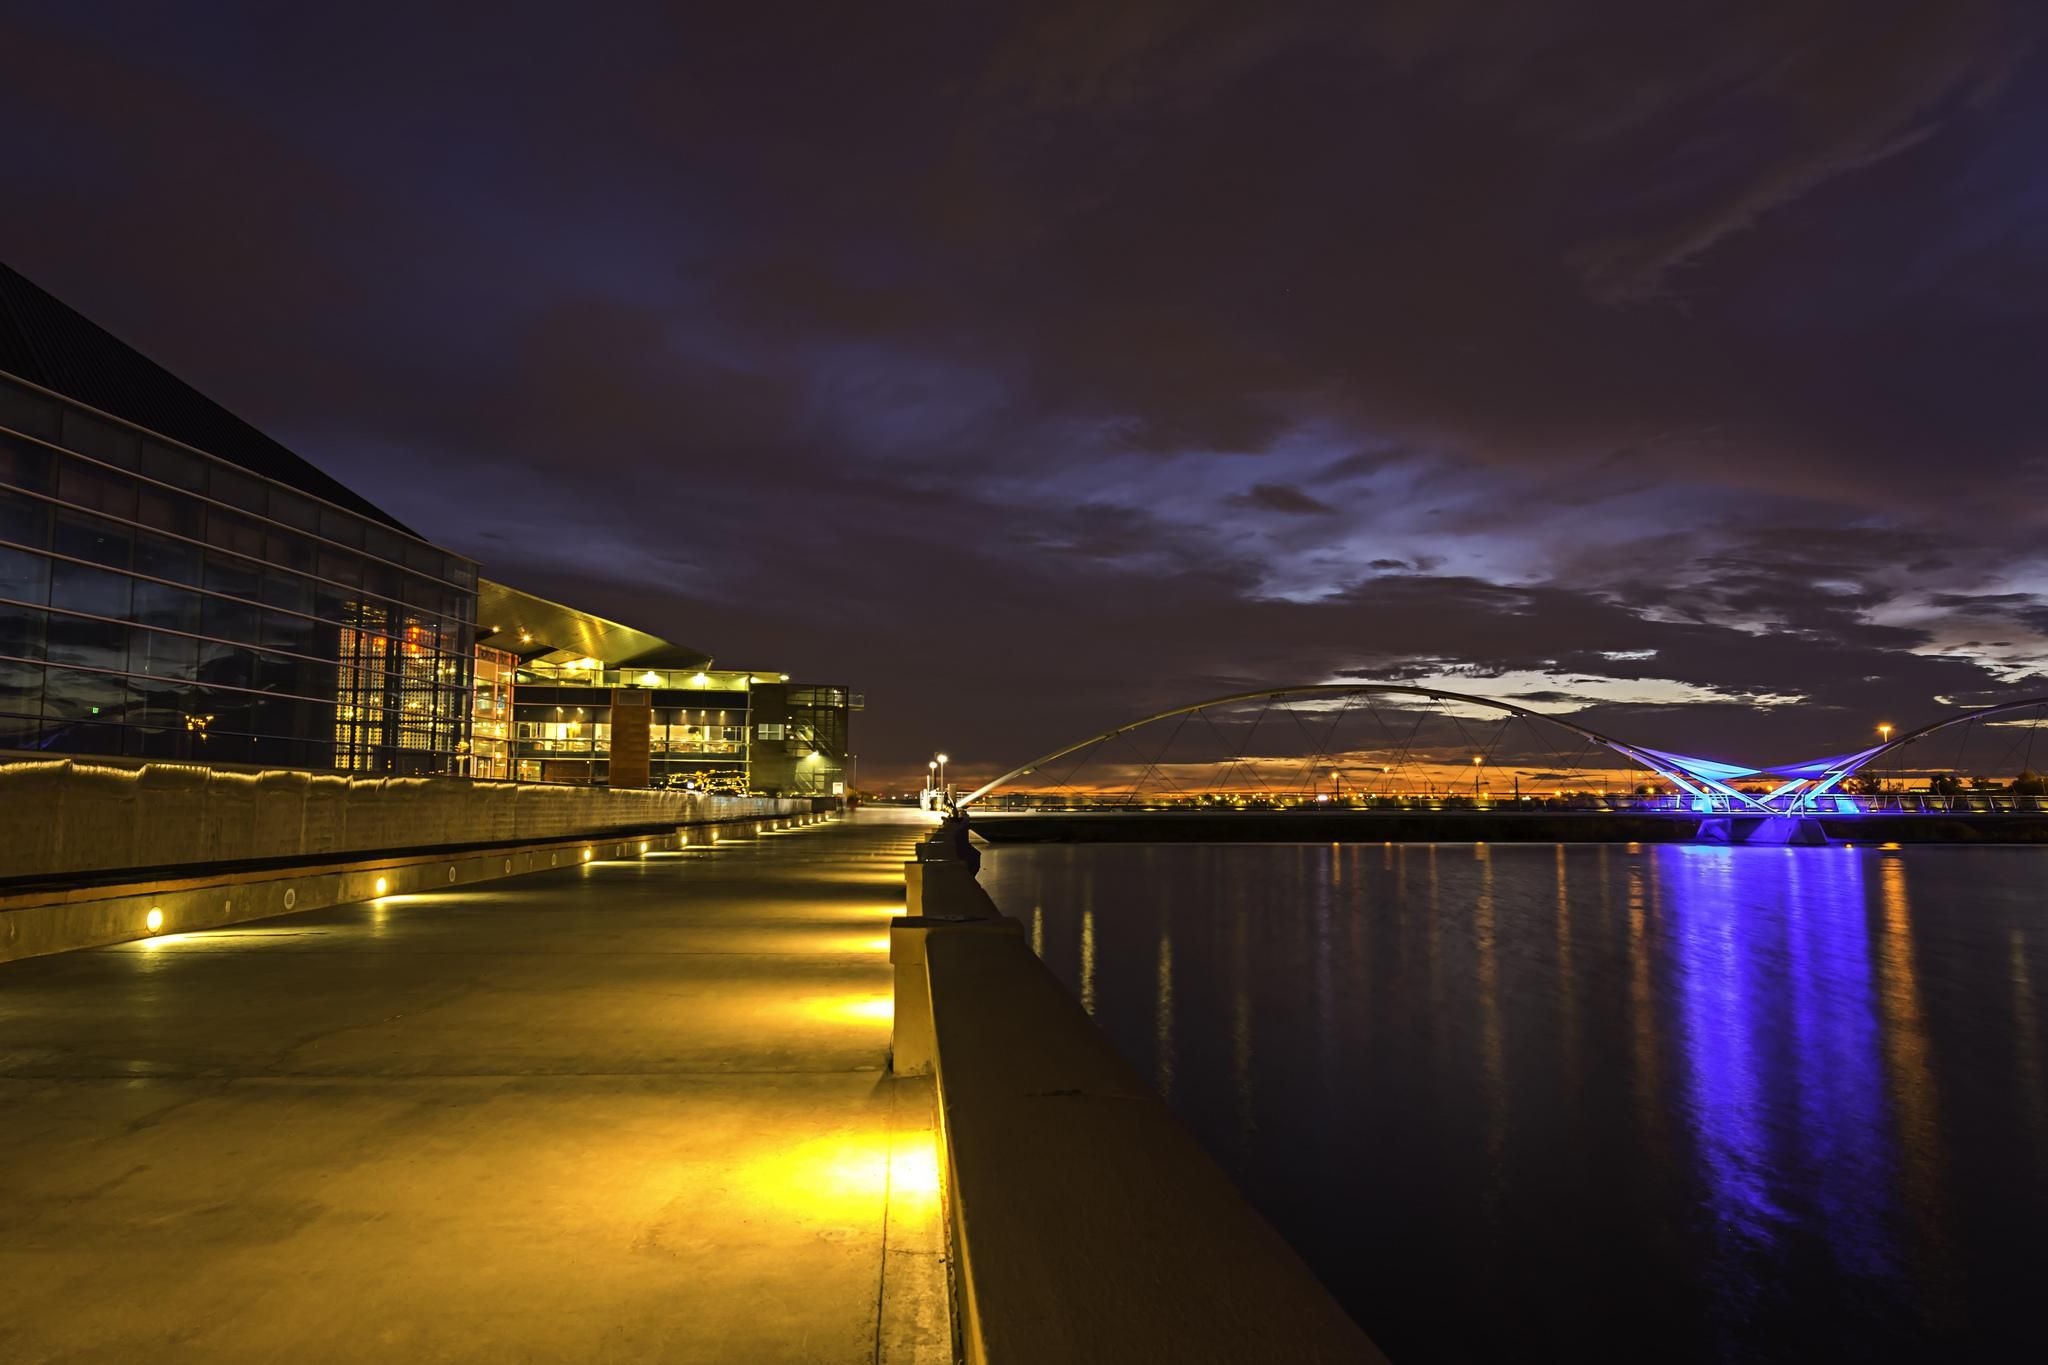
1036	366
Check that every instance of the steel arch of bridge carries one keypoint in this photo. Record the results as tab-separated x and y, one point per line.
1705	779
1816	778
1709	782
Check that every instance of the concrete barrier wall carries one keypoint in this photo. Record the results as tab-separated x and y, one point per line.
63	817
1087	1225
56	918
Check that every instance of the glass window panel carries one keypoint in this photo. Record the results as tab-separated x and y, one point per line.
101	440
23	519
21	687
233	487
293	510
226	619
293	552
380	578
21	632
159	604
223	665
337	567
163	655
423	557
228	708
180	468
295	633
157	737
383	544
24	464
274	716
75	587
93	539
24	576
161	558
71	694
103	490
237	577
81	737
288	590
16	732
160	701
29	412
87	643
341	528
312	678
271	672
173	512
230	532
333	604
215	747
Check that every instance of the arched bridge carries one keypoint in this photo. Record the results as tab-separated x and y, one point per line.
1808	786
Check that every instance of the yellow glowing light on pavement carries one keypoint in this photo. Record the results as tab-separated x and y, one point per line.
586	855
382	886
155	919
914	1168
852	1008
845	1178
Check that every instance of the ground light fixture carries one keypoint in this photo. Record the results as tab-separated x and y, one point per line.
586	855
154	919
382	886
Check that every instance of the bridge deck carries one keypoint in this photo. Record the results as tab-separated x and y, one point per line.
630	1111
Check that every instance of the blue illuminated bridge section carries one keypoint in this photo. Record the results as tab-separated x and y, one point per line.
1807	786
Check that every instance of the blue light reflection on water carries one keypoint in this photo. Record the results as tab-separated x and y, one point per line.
1744	1103
1777	993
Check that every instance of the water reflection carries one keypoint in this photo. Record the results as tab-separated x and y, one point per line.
1914	1097
1671	1102
1088	960
2027	1032
1162	1023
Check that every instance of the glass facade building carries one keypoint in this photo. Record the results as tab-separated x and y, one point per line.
158	600
174	584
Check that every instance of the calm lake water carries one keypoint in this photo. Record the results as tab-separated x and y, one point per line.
1657	1102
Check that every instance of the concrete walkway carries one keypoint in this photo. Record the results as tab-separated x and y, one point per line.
633	1111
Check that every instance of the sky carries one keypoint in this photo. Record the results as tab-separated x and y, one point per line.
1034	367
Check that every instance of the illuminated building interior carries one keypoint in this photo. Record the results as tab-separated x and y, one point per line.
689	724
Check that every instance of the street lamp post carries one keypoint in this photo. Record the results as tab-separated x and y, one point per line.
1884	735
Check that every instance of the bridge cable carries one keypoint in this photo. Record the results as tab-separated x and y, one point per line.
1322	757
1399	747
1154	764
1087	753
1252	729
